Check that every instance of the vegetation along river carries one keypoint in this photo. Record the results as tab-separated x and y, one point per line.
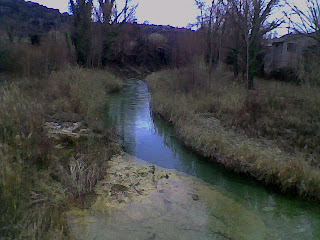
230	206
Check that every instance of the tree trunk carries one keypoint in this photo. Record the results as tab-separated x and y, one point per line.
235	63
251	82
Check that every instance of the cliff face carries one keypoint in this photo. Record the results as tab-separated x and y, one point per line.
22	18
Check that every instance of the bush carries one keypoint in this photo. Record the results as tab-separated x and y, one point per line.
25	59
285	75
309	69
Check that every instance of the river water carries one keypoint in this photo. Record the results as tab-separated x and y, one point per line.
151	139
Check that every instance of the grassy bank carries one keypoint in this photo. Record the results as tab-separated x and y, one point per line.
271	133
42	173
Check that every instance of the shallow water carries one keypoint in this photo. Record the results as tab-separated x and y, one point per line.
153	140
163	204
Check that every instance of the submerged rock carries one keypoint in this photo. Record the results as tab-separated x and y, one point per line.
195	197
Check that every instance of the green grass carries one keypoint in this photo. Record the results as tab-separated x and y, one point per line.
271	133
38	181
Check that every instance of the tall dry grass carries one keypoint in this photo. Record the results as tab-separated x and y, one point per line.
83	92
38	180
25	156
271	133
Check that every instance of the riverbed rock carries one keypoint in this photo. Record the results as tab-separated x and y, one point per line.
62	131
131	205
268	209
118	188
195	197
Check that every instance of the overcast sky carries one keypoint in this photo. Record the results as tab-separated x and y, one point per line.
177	13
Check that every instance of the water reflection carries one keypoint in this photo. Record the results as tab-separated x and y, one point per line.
153	140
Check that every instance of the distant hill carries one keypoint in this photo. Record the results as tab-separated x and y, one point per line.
23	19
153	46
32	18
171	33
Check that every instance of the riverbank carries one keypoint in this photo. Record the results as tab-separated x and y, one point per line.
54	145
221	121
144	201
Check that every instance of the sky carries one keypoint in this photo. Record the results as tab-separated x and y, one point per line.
177	13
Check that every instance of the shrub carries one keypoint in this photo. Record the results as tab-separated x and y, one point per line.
309	69
37	60
285	75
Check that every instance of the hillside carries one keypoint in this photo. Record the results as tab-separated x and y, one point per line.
20	19
26	18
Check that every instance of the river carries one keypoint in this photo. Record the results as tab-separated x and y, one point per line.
151	139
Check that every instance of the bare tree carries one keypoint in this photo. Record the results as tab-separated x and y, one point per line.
201	18
306	21
111	18
250	17
212	19
82	23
